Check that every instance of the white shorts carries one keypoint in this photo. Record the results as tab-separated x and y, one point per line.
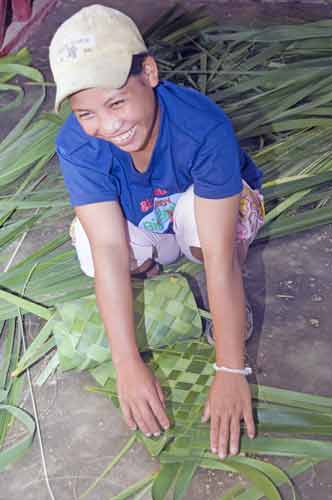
168	247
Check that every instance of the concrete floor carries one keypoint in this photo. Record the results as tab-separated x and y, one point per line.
288	281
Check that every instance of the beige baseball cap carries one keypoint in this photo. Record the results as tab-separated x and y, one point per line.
93	48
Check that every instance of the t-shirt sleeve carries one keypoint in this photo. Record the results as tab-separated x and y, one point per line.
216	170
86	185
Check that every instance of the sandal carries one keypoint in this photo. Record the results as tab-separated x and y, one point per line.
208	332
152	265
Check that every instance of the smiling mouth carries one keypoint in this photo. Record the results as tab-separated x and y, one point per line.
124	138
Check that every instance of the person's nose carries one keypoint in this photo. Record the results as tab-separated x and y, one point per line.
109	125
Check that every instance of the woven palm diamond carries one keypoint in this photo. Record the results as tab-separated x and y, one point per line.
165	312
185	371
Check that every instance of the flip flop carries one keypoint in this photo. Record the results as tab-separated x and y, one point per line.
144	274
208	332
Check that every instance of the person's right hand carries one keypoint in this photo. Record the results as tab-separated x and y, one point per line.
141	398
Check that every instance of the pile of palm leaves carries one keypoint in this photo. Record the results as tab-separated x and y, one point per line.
168	330
276	86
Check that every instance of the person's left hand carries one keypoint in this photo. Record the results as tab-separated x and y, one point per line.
229	401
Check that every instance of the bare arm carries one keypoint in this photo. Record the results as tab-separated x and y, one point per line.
229	398
105	227
224	277
140	394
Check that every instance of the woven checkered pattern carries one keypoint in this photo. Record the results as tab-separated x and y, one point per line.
185	371
170	310
165	312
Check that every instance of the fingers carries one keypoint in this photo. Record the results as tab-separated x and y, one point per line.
161	394
128	416
148	416
159	412
214	433
225	434
145	420
142	399
234	440
250	424
206	413
141	417
228	403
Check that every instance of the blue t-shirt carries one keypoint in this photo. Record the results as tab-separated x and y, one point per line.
196	145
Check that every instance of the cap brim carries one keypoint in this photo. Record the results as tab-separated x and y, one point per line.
97	74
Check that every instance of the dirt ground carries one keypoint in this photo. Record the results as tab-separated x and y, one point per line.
288	282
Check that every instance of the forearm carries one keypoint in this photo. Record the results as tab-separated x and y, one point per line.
139	392
227	304
115	302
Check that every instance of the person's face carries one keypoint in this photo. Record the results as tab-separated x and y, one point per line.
127	116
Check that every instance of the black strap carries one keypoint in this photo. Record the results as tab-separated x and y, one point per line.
144	274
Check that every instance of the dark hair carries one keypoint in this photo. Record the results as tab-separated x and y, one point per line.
137	64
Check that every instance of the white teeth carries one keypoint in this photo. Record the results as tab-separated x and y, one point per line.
124	137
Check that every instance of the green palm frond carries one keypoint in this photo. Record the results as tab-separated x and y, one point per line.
275	84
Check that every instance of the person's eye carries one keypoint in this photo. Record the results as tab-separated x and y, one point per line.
84	115
117	104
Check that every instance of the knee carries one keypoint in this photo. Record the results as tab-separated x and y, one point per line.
185	226
184	213
82	246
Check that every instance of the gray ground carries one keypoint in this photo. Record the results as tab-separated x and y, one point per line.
289	286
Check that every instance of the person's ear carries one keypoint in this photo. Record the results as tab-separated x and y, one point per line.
150	71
